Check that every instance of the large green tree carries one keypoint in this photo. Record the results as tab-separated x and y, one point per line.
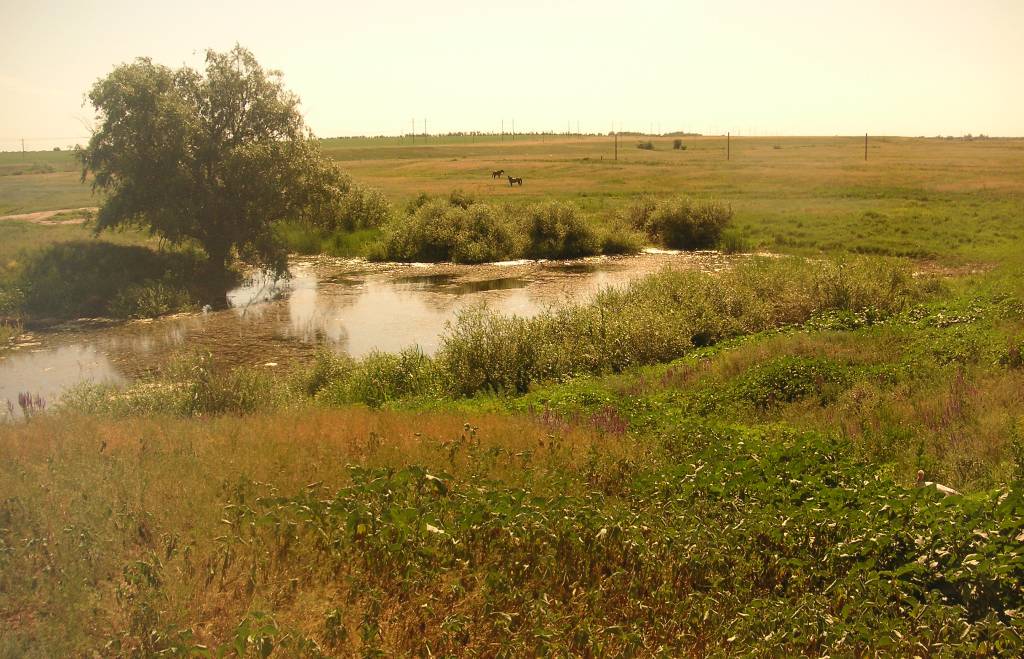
218	157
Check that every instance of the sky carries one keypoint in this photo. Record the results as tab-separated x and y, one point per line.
749	67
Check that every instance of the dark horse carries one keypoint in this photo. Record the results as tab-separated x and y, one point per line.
512	179
497	174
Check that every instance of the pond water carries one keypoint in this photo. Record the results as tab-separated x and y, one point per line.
347	305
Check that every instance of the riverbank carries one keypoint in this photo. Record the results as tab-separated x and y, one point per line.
734	497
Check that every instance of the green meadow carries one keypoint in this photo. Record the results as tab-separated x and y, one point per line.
698	464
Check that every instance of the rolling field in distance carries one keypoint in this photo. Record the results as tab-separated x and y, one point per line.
958	201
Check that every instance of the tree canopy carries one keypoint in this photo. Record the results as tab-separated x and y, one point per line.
218	157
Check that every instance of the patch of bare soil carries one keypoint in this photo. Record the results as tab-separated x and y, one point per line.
67	216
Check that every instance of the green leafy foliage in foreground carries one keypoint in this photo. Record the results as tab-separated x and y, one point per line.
738	539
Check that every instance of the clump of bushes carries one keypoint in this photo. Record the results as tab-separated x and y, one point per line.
646	146
79	278
460	229
357	207
678	145
555	230
150	299
619	238
439	230
681	222
381	377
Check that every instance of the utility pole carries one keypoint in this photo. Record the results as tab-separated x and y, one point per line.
502	130
23	146
424	130
578	127
413	133
513	130
728	137
865	147
616	144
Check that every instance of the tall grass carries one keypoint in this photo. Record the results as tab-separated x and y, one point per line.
657	319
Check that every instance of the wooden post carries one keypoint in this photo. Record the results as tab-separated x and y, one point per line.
728	154
616	146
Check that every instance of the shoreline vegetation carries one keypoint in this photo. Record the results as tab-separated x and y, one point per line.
731	453
78	278
695	463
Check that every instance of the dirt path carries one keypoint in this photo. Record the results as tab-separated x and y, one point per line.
46	217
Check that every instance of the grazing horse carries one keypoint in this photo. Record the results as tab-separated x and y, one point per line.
497	173
512	179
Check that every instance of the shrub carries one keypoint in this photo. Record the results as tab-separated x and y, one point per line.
461	199
363	208
439	231
678	145
637	212
381	377
620	239
190	385
646	146
74	279
356	207
327	367
483	351
150	299
555	230
683	223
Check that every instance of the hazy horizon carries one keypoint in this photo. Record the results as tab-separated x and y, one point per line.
922	68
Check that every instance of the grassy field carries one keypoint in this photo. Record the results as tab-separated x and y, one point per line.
949	199
700	464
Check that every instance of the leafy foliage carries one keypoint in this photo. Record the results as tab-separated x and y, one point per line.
217	158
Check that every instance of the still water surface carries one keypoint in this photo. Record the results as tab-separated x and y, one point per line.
347	305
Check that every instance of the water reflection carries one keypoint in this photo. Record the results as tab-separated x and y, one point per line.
349	306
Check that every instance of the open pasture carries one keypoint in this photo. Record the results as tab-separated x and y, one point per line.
952	200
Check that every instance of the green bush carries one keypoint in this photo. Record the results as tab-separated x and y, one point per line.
684	223
75	279
439	231
555	230
620	239
150	299
381	377
483	351
356	207
636	214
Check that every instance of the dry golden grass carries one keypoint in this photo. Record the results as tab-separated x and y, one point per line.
92	495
